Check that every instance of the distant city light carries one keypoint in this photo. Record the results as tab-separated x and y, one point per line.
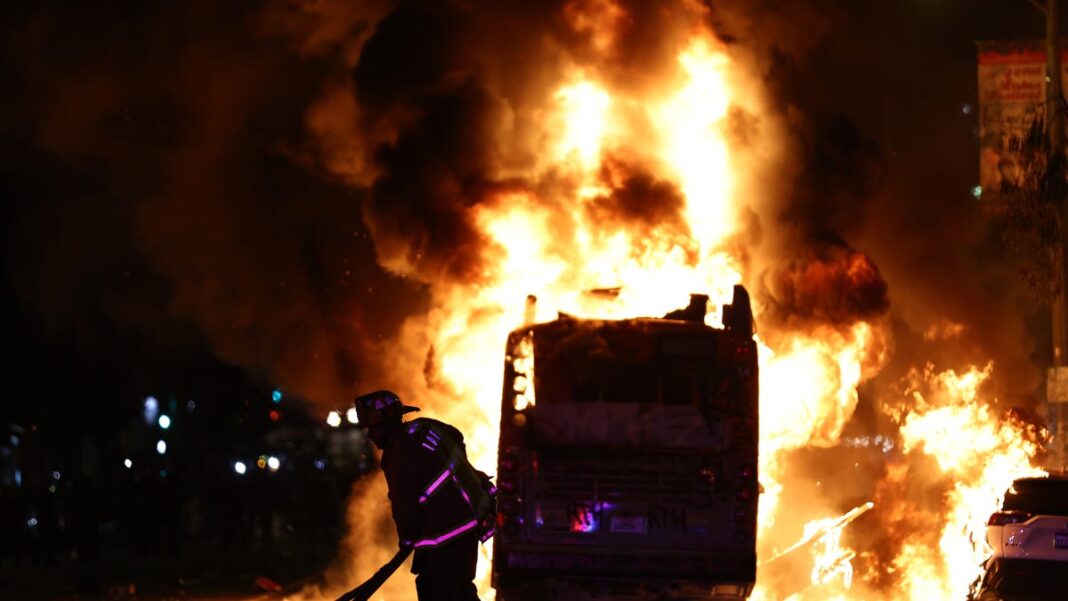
261	462
966	109
334	419
32	522
977	192
190	404
151	410
164	421
276	396
320	464
127	463
161	447
274	415
239	467
14	440
163	473
273	463
51	488
352	416
55	475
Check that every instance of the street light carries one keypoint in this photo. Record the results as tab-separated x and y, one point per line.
151	410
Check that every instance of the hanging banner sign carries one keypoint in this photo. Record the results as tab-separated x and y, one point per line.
1012	93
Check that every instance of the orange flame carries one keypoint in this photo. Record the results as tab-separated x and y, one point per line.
809	382
981	455
553	243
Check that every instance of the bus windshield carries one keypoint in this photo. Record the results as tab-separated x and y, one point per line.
630	391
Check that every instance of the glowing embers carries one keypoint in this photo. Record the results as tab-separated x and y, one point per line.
523	365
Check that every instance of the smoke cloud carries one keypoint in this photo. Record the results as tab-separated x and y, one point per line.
162	192
203	159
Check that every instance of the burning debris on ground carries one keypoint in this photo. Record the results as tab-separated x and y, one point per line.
337	197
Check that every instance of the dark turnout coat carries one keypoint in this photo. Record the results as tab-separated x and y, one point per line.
436	495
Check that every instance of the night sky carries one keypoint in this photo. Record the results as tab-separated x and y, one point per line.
177	209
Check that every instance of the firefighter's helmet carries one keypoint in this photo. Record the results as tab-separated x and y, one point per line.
379	406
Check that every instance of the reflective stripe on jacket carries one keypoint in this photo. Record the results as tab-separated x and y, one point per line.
436	495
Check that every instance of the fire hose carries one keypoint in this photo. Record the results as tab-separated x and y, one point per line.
372	584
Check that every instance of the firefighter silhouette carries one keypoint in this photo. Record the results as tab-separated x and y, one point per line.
442	506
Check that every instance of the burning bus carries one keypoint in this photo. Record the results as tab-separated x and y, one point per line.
628	458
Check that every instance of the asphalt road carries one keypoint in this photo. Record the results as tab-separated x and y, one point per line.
123	574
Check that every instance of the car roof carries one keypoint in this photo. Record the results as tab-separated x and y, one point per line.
1048	495
1049	478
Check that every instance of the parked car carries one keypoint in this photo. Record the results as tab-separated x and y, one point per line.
1033	521
1029	542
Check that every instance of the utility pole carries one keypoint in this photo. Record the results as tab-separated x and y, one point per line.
1055	122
